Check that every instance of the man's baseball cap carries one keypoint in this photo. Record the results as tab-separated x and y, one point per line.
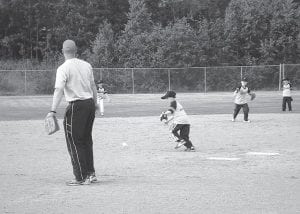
169	94
100	82
69	46
285	79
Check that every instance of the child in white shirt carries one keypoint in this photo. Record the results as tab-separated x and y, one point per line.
101	95
286	94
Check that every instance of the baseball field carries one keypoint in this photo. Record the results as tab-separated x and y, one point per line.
237	167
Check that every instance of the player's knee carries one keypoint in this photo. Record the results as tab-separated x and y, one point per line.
174	132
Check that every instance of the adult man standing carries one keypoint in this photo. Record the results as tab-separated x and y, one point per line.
75	79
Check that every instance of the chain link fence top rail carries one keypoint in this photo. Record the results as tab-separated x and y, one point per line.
158	80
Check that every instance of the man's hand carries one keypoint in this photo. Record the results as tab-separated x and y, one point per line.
50	114
51	123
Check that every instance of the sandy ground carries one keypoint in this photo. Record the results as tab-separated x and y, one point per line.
150	176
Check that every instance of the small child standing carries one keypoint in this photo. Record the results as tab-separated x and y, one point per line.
287	95
181	125
101	95
240	100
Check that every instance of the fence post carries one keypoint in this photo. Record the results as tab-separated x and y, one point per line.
241	72
25	82
132	78
169	79
283	71
279	79
101	75
204	79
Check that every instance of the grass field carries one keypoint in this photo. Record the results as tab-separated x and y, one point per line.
150	176
35	107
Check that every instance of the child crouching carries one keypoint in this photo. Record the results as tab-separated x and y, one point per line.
180	122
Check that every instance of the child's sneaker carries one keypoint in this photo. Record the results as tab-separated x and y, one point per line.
192	149
78	183
232	120
247	121
180	144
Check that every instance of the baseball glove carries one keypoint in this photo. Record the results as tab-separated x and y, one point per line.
163	117
253	95
51	124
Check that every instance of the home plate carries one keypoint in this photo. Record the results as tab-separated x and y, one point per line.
262	153
222	158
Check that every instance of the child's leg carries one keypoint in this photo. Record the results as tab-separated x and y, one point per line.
175	132
283	103
246	111
236	110
184	134
101	104
289	102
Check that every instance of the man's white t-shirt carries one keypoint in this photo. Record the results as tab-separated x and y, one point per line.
75	76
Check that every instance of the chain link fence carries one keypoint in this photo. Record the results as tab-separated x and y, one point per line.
158	80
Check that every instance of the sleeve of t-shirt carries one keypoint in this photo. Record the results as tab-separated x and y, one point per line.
173	106
61	78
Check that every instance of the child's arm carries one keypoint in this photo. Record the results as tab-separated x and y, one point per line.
236	91
250	92
172	108
107	97
169	113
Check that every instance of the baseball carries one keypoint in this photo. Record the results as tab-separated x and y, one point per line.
124	144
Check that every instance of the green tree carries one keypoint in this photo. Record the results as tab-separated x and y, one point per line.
261	31
103	47
131	44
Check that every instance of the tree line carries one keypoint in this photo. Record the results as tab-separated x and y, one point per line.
150	33
153	33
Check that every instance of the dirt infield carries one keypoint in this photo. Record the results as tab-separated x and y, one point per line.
128	105
149	176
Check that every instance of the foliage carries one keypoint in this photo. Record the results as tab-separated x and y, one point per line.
151	33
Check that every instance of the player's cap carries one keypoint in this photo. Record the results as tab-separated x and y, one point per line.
244	79
169	94
286	79
69	46
100	82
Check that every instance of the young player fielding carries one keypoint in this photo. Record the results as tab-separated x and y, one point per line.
286	94
101	95
240	100
180	122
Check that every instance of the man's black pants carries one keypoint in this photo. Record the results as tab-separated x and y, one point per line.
184	132
287	100
78	125
245	110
